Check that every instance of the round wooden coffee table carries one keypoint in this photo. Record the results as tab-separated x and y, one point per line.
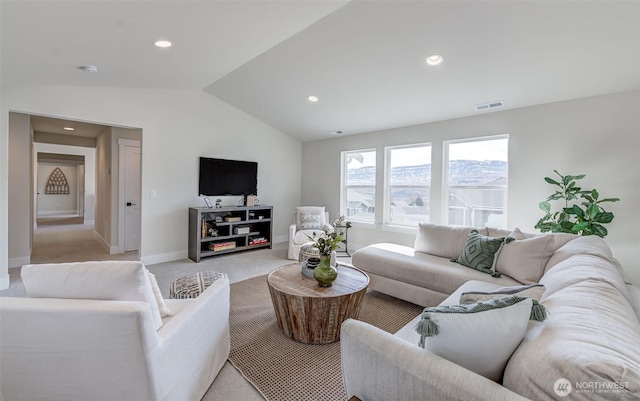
312	314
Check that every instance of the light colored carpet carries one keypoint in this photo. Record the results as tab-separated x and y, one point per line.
283	369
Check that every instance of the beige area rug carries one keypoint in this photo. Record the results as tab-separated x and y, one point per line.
283	369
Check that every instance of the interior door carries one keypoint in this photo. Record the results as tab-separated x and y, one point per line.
132	198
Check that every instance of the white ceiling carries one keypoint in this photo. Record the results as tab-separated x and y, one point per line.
363	59
57	126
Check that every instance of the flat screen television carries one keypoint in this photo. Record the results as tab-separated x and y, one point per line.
219	177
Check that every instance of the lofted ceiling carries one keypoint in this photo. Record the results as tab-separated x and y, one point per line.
363	59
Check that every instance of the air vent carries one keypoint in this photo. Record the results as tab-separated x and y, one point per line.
490	105
338	132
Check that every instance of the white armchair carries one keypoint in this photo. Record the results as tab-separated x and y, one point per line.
59	344
306	221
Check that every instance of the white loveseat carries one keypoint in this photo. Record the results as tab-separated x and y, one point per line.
60	344
587	349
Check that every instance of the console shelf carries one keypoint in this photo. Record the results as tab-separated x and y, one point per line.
217	231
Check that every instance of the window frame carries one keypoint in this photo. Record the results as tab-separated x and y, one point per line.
387	224
445	176
344	187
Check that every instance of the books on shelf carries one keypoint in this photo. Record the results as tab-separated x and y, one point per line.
258	240
231	219
222	246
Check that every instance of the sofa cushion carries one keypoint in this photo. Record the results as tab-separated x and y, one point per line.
441	240
591	339
480	337
310	217
479	252
525	259
402	263
533	291
589	245
106	280
589	262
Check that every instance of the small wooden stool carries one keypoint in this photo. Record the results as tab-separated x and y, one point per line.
192	285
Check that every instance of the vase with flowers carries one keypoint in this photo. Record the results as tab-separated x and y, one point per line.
326	243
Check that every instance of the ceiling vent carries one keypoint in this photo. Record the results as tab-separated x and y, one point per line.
338	132
490	105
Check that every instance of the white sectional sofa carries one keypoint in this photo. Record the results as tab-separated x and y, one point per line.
95	331
587	349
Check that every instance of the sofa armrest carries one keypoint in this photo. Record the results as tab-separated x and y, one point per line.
292	232
193	346
377	365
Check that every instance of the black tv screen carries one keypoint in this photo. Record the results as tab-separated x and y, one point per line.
219	177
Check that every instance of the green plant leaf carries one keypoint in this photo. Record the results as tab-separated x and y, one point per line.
603	217
594	194
599	230
552	181
545	206
580	226
609	200
575	177
592	211
574	210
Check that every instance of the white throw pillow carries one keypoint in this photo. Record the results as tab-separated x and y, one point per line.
533	291
107	280
441	240
524	259
162	306
480	337
314	217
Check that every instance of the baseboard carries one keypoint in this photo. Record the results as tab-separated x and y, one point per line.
281	238
17	262
54	213
4	282
163	257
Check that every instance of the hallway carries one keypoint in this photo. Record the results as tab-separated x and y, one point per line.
71	243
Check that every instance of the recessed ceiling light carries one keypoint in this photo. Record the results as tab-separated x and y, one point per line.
163	43
313	98
69	129
434	59
88	68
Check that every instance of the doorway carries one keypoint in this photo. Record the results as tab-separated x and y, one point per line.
96	196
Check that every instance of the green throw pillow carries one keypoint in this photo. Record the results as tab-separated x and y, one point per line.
479	251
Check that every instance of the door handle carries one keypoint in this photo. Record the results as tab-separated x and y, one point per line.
131	204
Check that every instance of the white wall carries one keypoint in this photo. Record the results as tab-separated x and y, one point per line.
178	127
596	136
20	164
89	173
56	204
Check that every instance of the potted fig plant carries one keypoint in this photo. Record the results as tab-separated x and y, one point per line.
582	212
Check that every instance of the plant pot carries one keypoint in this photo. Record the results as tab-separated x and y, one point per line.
325	274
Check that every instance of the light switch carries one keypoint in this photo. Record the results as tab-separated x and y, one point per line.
154	193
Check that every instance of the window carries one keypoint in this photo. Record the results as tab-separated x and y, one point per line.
407	184
476	181
358	196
